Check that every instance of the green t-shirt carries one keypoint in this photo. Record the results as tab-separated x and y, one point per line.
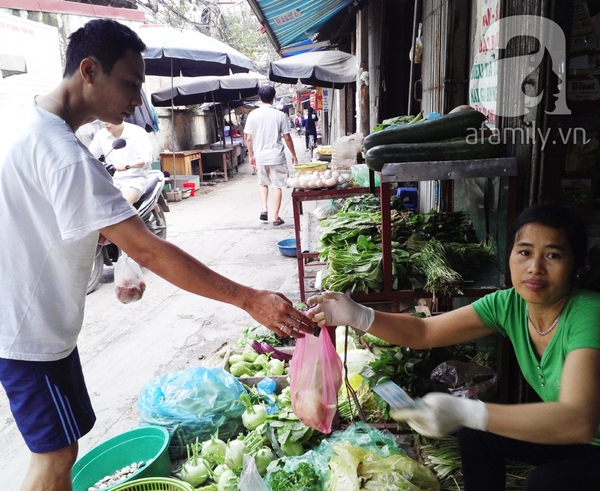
505	311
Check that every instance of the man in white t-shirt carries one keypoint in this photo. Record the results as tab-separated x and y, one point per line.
265	128
55	198
130	162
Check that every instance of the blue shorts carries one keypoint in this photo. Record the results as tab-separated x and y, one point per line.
49	401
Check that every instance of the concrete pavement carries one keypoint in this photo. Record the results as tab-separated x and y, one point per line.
124	346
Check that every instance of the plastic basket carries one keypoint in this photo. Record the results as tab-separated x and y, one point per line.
148	443
154	484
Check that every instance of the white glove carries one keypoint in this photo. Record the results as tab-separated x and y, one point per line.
337	309
443	414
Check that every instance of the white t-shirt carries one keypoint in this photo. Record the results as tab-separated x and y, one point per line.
267	125
54	197
138	147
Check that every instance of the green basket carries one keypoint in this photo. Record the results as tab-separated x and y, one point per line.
154	484
147	443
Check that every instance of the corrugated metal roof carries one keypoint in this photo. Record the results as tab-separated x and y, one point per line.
293	21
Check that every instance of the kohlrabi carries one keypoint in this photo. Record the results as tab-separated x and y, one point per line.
213	450
195	470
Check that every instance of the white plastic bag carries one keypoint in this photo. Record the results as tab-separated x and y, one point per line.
129	280
250	479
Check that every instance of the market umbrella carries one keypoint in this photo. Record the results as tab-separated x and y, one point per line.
331	69
197	90
171	52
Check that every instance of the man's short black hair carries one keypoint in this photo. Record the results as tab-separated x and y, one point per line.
104	39
266	93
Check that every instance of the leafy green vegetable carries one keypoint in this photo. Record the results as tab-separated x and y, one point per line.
258	333
303	478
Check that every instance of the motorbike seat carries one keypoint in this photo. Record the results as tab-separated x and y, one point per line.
153	180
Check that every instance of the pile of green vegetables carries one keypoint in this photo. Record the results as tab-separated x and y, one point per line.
440	246
398	120
251	364
215	465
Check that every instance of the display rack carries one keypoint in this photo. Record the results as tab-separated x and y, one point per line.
311	258
432	171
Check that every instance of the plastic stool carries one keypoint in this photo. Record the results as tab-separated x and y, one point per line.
409	197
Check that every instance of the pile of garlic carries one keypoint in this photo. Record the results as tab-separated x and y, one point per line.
317	179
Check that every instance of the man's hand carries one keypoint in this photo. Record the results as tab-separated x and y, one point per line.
337	309
442	414
274	311
294	160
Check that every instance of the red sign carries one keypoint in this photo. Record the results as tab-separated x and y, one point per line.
319	99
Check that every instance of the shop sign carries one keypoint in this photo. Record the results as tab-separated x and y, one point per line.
326	96
319	99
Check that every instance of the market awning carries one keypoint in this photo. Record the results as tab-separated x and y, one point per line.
291	21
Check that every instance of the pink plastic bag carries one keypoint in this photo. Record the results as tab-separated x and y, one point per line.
315	379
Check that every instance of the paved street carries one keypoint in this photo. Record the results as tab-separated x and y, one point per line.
124	346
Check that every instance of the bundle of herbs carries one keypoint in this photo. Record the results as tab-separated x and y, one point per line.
358	267
442	456
431	258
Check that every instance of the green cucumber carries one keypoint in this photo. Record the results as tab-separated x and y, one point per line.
450	125
453	149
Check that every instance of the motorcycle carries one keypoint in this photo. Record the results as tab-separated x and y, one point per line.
151	207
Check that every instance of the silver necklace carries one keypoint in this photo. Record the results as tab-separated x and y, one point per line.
62	103
543	333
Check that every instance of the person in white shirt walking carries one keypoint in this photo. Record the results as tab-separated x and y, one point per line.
265	129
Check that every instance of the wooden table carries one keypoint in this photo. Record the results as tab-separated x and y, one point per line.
183	162
226	155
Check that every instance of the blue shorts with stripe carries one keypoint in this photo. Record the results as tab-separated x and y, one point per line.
49	401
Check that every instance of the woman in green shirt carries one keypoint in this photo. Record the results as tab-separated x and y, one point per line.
554	327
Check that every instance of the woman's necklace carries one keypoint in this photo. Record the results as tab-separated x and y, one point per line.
543	333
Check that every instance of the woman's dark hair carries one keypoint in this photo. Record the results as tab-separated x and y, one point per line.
310	109
104	39
556	215
266	93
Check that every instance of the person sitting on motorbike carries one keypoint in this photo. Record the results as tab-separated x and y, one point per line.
131	162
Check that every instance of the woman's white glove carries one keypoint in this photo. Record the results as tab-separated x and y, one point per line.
439	414
337	309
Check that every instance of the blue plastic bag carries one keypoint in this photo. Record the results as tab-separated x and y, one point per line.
193	403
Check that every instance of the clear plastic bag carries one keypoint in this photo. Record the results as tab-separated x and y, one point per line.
193	403
315	379
327	210
360	173
250	479
129	280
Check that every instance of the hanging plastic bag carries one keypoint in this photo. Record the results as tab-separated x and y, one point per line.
129	280
315	379
418	47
